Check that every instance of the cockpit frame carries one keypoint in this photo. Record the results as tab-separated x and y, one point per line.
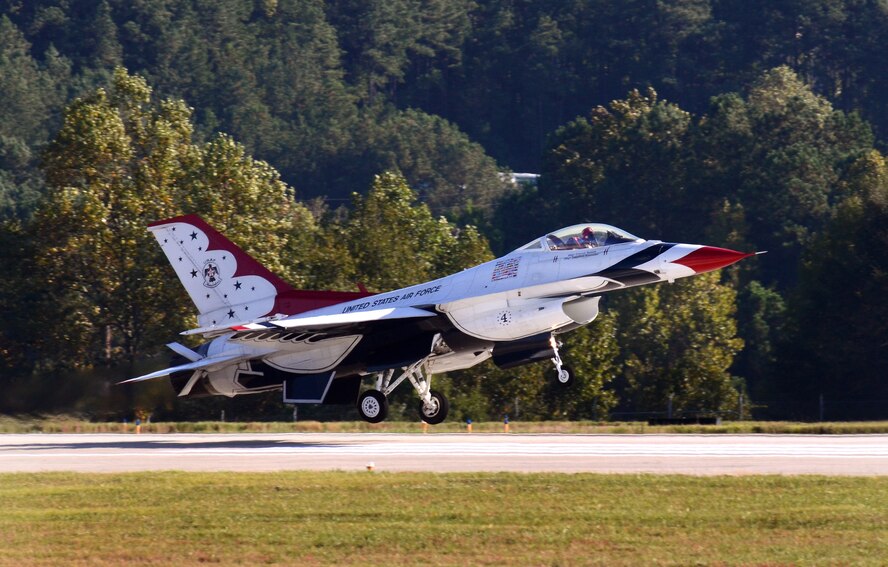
579	236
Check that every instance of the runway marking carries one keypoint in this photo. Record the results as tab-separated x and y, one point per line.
672	454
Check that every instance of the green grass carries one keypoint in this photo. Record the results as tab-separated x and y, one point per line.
64	424
340	518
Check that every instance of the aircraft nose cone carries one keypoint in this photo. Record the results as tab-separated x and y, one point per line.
709	258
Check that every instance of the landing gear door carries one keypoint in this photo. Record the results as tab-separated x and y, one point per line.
307	388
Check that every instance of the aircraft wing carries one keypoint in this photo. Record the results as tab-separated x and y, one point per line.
335	321
208	364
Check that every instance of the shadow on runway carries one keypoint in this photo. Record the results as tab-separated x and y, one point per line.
170	444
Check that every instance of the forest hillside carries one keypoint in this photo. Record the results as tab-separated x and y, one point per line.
310	131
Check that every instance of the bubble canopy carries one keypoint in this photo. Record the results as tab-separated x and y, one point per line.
585	235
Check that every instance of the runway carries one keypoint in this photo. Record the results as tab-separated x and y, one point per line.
857	455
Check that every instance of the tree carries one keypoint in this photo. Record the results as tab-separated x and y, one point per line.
112	166
381	38
837	334
779	153
451	173
119	162
623	162
27	91
18	297
302	81
387	228
678	342
29	95
761	320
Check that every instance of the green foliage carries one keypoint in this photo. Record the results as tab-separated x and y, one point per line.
679	341
769	162
782	149
27	89
761	318
383	38
451	172
595	164
836	341
119	162
387	228
755	141
30	94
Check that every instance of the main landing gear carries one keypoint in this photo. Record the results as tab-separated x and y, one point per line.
564	375
433	406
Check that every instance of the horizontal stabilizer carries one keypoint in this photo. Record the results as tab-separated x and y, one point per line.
184	351
211	363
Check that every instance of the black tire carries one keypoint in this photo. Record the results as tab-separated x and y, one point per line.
438	412
565	378
373	406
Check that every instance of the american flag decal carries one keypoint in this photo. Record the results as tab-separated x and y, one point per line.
505	269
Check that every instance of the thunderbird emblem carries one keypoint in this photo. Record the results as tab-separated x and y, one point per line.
211	274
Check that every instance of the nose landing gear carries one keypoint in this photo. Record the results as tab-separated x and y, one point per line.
564	375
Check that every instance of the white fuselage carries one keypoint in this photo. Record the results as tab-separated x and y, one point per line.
524	293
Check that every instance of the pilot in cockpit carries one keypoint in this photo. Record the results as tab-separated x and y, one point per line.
588	238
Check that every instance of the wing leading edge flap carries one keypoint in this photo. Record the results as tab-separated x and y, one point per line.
341	319
210	363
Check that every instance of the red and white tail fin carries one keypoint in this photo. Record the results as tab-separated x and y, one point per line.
225	283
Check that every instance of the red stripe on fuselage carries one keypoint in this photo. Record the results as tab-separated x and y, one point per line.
297	301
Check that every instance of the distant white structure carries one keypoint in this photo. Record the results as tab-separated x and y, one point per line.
521	178
528	178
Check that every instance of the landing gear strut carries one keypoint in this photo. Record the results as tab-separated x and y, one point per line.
564	375
433	406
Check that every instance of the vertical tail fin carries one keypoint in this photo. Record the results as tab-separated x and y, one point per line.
225	283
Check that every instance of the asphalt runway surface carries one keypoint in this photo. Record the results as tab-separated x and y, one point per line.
858	455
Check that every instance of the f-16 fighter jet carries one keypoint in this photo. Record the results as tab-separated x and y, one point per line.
317	346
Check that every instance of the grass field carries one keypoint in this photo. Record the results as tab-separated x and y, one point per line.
73	425
304	518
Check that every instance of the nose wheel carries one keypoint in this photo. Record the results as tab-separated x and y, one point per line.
564	375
